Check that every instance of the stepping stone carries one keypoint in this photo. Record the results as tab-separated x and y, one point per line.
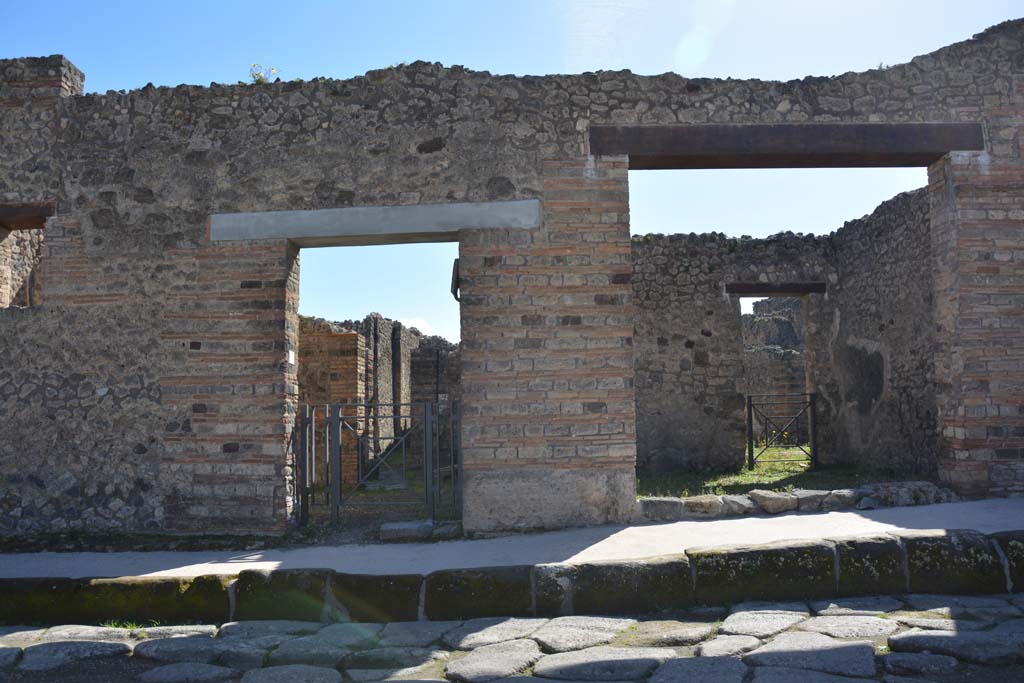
350	634
777	674
918	663
804	650
728	646
603	663
665	634
393	657
977	647
236	653
415	633
173	631
759	624
47	656
293	673
865	607
391	675
9	656
187	672
576	633
308	650
479	632
499	660
20	636
738	504
86	633
939	624
255	629
787	607
851	626
928	602
717	669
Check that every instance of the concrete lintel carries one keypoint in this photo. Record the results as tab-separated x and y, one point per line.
365	225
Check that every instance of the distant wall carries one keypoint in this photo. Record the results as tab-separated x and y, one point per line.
868	342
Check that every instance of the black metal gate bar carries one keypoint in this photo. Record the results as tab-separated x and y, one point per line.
807	405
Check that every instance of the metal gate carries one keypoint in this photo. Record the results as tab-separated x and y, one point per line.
778	420
379	454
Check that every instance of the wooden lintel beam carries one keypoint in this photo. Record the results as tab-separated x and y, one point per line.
774	288
790	145
26	215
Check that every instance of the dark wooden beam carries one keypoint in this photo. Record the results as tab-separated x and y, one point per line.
26	216
796	145
774	288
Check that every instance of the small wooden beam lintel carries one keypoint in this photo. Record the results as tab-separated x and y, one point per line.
26	215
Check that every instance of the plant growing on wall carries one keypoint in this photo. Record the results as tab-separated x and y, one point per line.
260	74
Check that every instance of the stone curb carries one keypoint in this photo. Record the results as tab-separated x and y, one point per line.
951	561
867	497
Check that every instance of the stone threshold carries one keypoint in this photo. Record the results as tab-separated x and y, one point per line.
758	501
952	562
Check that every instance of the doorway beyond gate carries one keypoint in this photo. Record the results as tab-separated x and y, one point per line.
379	455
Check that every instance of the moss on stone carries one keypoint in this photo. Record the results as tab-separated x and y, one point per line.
1012	545
870	566
778	571
652	585
484	592
365	597
956	561
286	594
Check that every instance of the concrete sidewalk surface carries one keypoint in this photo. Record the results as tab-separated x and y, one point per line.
571	545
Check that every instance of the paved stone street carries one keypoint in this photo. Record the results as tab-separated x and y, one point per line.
911	638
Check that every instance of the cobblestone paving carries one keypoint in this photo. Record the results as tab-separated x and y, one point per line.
912	638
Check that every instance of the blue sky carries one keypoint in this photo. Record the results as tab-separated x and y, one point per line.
124	45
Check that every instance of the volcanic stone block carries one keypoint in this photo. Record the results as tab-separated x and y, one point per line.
775	571
286	594
662	509
366	597
955	562
1012	544
483	592
168	599
633	587
552	589
870	566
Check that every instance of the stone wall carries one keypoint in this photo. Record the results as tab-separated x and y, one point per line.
868	344
154	385
20	251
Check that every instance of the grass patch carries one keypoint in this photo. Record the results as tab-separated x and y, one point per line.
129	624
773	476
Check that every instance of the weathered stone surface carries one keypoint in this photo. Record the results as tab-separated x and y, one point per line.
809	499
149	632
918	663
256	629
868	503
415	633
866	607
485	592
1012	545
352	635
839	499
738	504
634	587
774	502
91	633
9	656
759	624
662	508
292	673
20	636
870	564
979	647
494	661
766	606
850	626
308	650
576	633
1011	626
479	632
603	663
665	634
728	646
407	532
799	650
552	589
233	652
953	562
48	656
937	624
187	672
393	657
369	597
778	674
295	594
703	506
717	669
965	606
777	571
